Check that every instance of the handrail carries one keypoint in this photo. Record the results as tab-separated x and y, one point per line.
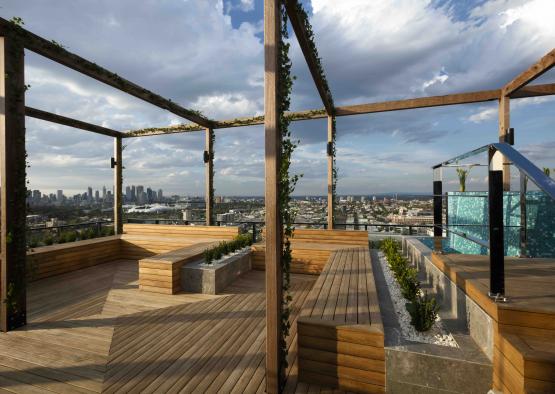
545	183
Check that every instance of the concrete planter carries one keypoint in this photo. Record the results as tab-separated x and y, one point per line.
199	277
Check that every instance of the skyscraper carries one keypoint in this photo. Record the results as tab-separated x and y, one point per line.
89	193
104	193
160	195
60	196
128	194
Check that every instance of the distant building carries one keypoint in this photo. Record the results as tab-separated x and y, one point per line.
89	193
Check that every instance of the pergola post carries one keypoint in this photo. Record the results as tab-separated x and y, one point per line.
13	310
504	124
330	147
118	186
209	175
274	230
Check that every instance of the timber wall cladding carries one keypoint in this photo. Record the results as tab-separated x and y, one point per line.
137	242
340	331
312	248
146	240
58	259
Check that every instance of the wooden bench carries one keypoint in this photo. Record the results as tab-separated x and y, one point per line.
524	363
162	273
311	248
46	261
340	331
145	240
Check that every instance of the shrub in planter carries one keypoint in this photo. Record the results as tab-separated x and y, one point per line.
408	280
48	240
423	312
226	247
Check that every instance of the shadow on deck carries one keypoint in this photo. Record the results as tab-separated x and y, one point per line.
92	330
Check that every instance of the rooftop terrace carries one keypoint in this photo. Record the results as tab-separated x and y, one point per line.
112	315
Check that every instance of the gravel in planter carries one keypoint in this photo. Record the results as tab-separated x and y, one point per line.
437	335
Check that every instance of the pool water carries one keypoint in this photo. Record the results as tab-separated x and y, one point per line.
450	245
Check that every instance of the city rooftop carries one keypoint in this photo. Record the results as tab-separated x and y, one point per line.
460	301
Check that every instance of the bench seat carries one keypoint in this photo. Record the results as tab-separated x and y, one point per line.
311	248
162	273
340	331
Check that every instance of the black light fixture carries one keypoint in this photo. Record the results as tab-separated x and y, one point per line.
206	156
113	163
511	136
330	148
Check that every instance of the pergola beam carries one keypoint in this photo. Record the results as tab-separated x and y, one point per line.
59	119
359	109
310	54
13	188
274	227
535	71
421	102
57	53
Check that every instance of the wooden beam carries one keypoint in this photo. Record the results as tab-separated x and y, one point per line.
504	124
118	186
209	177
331	203
13	193
360	109
152	131
274	230
310	53
534	91
57	53
421	102
533	72
59	119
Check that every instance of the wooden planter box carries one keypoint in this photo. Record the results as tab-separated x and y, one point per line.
198	277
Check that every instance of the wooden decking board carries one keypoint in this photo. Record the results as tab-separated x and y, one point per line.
139	354
82	335
188	350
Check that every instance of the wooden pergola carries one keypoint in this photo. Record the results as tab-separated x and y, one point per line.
13	41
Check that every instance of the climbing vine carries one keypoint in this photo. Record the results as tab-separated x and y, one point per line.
334	174
287	182
303	17
211	156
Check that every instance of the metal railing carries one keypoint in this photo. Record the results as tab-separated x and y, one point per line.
57	231
495	244
256	226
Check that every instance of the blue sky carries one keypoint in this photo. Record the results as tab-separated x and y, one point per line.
208	55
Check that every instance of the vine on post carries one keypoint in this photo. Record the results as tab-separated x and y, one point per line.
287	182
334	174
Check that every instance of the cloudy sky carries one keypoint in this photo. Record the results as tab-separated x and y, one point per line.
208	55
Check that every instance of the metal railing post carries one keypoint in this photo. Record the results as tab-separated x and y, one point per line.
438	212
523	216
254	232
496	238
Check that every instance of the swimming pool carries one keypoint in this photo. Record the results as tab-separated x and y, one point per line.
452	245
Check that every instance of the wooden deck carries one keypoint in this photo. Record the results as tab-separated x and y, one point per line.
92	330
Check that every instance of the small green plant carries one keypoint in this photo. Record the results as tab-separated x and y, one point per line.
462	174
18	21
422	309
410	287
48	240
226	247
423	312
547	171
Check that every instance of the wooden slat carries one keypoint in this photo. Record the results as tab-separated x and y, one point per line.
62	56
310	53
208	177
13	207
118	186
59	119
272	42
535	71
